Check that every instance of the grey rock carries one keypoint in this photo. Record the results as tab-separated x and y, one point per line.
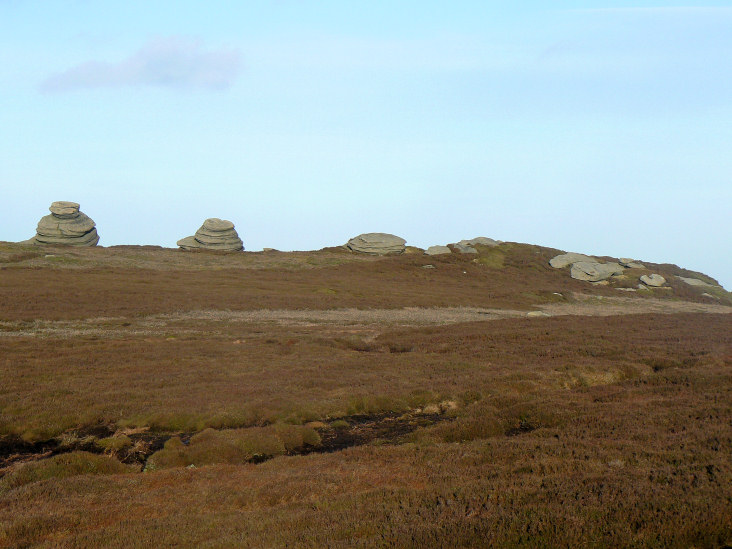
428	266
631	263
464	248
480	241
653	280
438	250
214	234
564	260
188	243
593	271
64	209
67	226
695	282
377	244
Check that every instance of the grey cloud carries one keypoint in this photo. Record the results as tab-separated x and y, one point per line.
171	62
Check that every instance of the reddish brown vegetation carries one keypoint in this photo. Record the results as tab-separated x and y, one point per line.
566	431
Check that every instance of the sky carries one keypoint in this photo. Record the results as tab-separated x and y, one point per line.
595	127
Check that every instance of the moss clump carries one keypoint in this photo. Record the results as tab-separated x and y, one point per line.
62	466
492	258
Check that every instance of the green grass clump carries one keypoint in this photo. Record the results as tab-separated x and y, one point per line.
114	443
493	258
62	466
233	446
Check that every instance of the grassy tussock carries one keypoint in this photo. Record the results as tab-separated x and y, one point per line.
233	446
62	466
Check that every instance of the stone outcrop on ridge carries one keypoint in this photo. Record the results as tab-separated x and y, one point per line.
214	234
377	244
480	241
564	260
438	250
67	226
593	271
653	280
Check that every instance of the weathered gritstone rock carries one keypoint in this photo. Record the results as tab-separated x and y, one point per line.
592	271
696	282
377	244
66	225
464	248
214	234
564	260
654	280
480	241
438	250
631	263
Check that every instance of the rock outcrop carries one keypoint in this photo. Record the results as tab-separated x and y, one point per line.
377	244
631	263
214	234
564	260
438	250
593	271
464	248
67	226
480	241
695	282
653	280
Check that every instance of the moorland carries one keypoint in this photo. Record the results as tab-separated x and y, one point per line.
159	397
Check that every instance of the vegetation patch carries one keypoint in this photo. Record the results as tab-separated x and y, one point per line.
62	466
251	445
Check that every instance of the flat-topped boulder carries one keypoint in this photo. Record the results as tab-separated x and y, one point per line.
437	250
214	234
66	225
593	271
654	280
695	282
565	260
377	244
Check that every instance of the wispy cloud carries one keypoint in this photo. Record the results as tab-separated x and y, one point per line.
173	62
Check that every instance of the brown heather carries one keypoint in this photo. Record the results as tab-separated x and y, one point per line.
322	428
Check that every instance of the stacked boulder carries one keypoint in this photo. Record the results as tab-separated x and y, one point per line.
377	244
66	225
214	234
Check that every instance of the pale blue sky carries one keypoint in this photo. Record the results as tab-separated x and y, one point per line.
595	127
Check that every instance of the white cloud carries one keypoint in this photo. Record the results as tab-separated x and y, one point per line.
173	62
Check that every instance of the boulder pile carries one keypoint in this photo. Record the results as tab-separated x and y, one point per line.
214	234
66	225
377	244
